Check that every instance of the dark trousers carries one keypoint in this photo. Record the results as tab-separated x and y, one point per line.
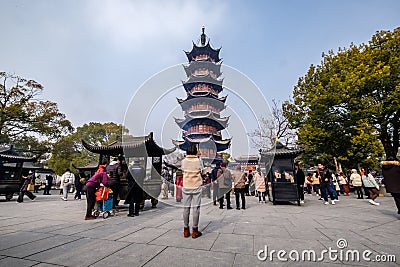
359	191
134	208
90	199
115	188
215	192
246	189
46	190
300	189
78	192
373	192
28	193
396	197
241	192
228	199
317	188
366	192
171	187
308	189
326	188
261	194
36	190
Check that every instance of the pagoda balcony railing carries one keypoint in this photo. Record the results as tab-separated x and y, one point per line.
203	90
203	58
207	109
204	72
186	133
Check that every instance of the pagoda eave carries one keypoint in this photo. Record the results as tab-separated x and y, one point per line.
203	79
188	87
220	123
220	145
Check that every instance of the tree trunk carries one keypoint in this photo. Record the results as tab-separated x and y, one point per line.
390	151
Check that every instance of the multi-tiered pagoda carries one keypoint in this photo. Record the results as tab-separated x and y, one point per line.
202	123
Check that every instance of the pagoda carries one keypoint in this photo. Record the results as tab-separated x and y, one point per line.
202	123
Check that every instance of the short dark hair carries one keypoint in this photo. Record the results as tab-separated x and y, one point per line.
191	150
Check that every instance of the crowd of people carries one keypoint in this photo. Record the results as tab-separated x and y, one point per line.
192	182
326	184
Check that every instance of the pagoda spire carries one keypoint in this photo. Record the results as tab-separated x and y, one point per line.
203	36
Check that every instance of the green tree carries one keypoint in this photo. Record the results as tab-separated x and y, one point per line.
68	151
24	117
349	106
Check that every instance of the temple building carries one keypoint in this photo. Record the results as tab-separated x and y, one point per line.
11	170
202	124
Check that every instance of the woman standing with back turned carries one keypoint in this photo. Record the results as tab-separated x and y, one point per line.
191	191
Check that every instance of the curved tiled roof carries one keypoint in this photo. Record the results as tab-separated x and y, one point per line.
281	150
8	154
131	146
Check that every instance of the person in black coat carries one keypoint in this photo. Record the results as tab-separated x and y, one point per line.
49	184
215	182
391	174
300	179
79	184
115	169
24	188
135	177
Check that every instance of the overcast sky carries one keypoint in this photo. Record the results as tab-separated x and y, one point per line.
92	56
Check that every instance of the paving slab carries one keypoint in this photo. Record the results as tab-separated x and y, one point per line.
114	232
20	238
34	247
172	256
175	239
45	265
132	255
8	261
243	244
82	252
144	235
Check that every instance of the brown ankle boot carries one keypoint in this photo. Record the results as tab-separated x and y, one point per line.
186	232
196	233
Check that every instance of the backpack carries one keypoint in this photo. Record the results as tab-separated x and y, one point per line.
227	179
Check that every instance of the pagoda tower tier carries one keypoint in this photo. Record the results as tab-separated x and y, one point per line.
202	123
203	68
208	146
203	118
202	84
203	53
206	101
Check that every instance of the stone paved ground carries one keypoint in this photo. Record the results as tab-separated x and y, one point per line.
52	232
